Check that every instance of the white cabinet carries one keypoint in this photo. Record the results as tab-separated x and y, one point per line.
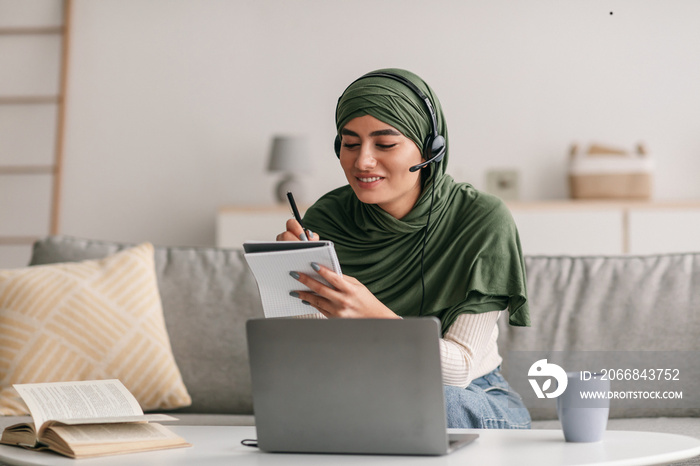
573	232
608	227
669	230
547	227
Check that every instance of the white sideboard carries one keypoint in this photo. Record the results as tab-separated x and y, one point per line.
546	227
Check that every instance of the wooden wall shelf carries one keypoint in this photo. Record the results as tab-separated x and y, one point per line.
27	170
31	31
30	100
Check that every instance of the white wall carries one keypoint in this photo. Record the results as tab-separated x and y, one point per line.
173	103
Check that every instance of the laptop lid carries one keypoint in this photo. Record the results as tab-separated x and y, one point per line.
370	386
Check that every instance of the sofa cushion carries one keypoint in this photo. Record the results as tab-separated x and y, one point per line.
621	309
627	303
96	319
208	294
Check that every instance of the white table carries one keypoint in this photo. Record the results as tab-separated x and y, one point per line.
220	445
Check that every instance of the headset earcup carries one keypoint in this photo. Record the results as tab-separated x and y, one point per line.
438	148
428	148
434	148
336	146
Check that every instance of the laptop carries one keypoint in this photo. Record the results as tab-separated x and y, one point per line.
358	386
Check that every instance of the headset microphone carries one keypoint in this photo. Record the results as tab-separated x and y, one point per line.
415	168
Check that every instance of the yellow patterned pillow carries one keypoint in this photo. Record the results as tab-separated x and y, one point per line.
88	320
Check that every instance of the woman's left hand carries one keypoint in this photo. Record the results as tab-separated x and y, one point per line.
348	298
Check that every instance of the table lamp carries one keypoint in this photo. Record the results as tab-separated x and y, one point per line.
289	155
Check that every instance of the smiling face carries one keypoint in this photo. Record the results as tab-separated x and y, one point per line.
376	157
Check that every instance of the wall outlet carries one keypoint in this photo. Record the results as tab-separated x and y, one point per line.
504	184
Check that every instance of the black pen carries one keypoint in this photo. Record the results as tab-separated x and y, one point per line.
296	214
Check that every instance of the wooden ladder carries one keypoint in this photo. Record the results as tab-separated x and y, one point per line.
55	170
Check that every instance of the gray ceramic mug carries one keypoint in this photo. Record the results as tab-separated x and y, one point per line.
584	418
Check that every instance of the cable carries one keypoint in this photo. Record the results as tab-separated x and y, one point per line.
422	253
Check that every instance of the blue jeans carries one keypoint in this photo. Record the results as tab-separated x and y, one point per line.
487	403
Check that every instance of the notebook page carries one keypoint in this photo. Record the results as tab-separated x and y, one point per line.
271	271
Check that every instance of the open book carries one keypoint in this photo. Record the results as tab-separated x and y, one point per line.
271	263
89	418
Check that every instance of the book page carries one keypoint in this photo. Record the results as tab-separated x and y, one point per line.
91	440
113	433
115	420
93	399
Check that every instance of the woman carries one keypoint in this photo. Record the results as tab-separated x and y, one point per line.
415	243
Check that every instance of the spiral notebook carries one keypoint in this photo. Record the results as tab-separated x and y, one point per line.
271	263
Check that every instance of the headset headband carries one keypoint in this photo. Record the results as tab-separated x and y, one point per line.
406	82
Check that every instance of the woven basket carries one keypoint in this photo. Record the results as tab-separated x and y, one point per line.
614	175
611	186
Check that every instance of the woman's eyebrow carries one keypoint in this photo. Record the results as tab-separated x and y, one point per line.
347	132
385	132
381	132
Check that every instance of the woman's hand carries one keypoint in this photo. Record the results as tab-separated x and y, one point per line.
295	232
348	298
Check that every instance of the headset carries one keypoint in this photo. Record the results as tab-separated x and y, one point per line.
434	146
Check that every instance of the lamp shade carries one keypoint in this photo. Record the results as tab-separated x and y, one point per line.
289	154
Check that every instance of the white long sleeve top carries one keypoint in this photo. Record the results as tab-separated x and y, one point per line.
469	349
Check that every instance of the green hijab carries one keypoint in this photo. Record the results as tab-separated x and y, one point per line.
473	260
